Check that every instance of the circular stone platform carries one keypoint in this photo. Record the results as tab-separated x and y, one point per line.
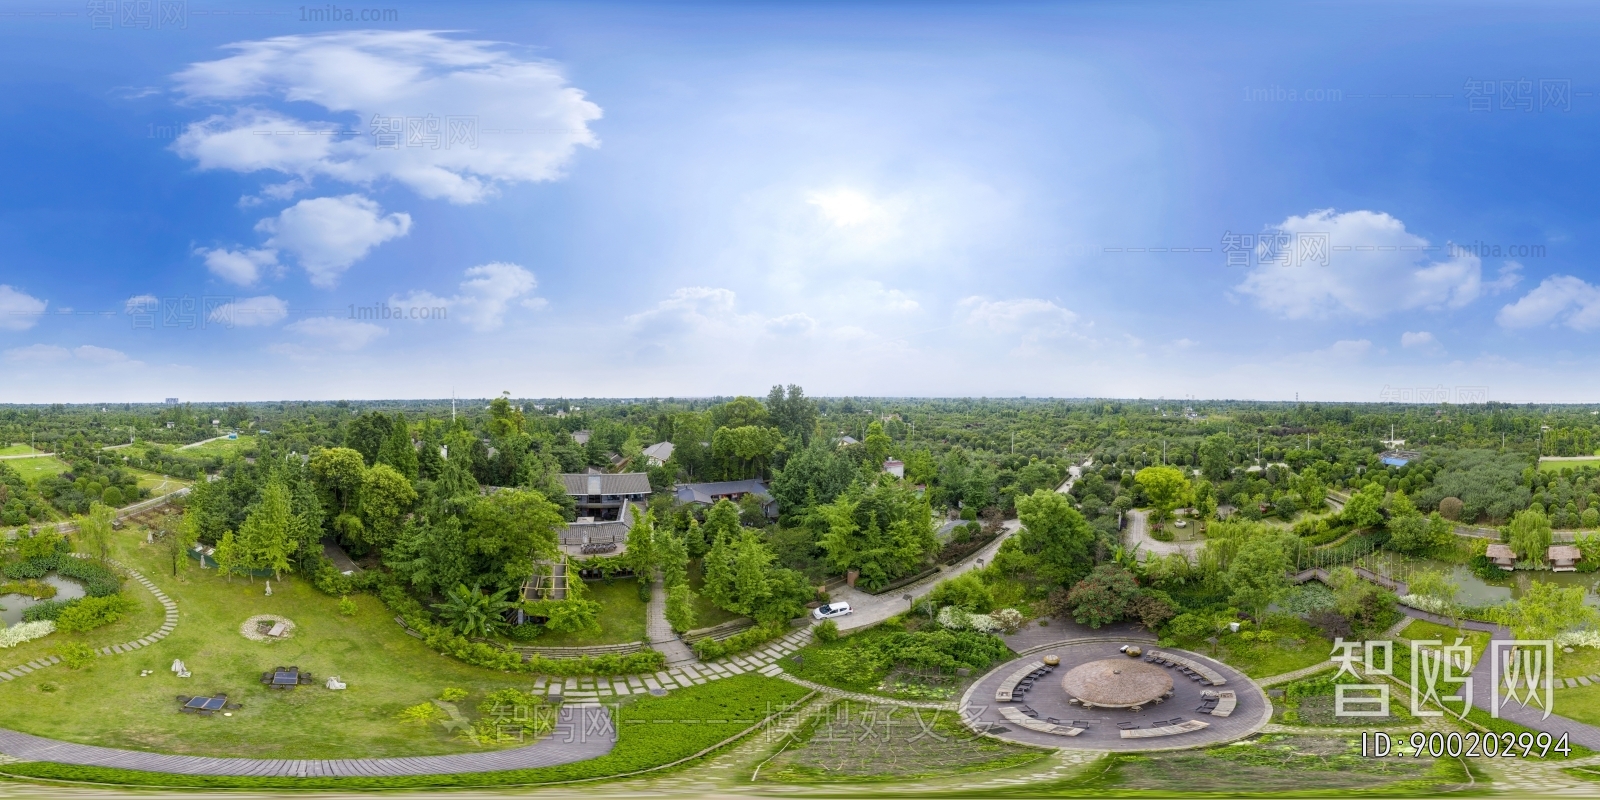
1117	683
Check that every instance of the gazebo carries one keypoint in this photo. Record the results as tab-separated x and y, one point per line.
1501	556
1563	557
1117	683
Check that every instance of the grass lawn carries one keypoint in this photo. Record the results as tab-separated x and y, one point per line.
18	450
622	617
32	469
706	613
1581	704
1296	646
219	447
1582	661
158	484
1424	630
142	621
651	732
107	703
1557	466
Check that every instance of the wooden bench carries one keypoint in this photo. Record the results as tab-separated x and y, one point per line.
278	629
1022	720
1210	675
1008	687
1166	730
1226	703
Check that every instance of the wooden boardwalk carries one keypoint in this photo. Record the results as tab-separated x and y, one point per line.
582	732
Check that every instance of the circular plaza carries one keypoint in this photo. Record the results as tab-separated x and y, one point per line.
1115	696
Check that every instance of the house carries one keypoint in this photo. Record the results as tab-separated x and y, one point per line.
582	437
657	454
1563	557
846	441
1501	556
600	498
706	494
895	467
605	506
1398	458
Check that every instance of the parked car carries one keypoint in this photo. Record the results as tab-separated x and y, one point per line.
830	611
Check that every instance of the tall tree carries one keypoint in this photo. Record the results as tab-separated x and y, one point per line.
507	532
398	451
1258	574
386	496
95	529
366	435
1530	535
1056	535
263	540
1166	487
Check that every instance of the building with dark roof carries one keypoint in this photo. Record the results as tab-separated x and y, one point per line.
705	494
600	498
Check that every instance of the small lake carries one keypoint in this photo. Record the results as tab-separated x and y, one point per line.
1476	591
14	604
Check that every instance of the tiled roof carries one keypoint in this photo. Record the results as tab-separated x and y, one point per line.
622	483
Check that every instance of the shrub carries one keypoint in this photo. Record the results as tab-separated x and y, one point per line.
1009	619
76	655
329	580
1188	626
42	545
1153	608
92	612
524	633
112	496
1450	508
711	649
422	713
48	610
452	694
1104	597
26	632
347	607
826	631
97	579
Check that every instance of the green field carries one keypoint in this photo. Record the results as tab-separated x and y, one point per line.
158	484
18	450
32	469
220	447
1557	466
108	703
622	617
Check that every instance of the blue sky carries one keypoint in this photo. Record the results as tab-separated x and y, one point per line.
651	200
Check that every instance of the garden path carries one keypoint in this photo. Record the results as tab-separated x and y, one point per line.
659	631
168	624
868	609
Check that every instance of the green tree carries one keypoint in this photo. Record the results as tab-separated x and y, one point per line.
751	562
1166	487
884	530
1205	499
1436	586
877	443
1258	574
398	451
177	538
338	473
95	529
227	555
1544	610
473	612
386	496
642	556
1104	597
1216	456
507	532
263	540
815	475
673	557
1056	535
680	608
1529	535
1364	509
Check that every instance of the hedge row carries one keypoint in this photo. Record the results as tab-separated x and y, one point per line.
710	649
705	716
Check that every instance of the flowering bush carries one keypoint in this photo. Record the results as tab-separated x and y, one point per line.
1571	639
26	632
1010	620
955	619
1430	604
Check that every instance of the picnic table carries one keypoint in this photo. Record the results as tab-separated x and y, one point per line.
285	678
205	706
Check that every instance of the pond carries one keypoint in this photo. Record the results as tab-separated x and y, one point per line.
1476	591
12	605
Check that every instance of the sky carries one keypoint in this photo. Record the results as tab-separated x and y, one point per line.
1326	201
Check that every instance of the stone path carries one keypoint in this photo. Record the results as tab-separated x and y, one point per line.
168	624
659	631
574	740
870	609
1289	677
762	660
871	699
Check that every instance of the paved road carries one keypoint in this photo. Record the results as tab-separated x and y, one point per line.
868	610
580	721
1137	535
27	455
1074	472
206	441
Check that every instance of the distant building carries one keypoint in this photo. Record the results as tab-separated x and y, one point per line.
705	494
1398	458
172	401
171	425
1563	557
895	467
582	437
1501	556
846	441
657	454
216	422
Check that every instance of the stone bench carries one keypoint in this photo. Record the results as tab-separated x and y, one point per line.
1166	730
1022	720
1210	675
1226	703
1008	687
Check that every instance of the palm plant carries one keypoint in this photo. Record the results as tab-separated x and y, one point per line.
471	612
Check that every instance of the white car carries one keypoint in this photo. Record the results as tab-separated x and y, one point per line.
830	611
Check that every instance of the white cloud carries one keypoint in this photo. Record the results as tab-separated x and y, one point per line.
140	304
1034	318
848	208
242	267
38	353
485	296
1419	340
19	311
338	333
328	234
709	313
52	354
791	325
1383	270
1561	299
487	117
99	355
250	312
1343	350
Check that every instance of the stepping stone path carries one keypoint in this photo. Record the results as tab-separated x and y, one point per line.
763	660
168	624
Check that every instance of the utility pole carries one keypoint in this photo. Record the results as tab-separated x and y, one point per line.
452	405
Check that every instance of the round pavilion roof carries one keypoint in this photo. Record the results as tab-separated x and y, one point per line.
1117	683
